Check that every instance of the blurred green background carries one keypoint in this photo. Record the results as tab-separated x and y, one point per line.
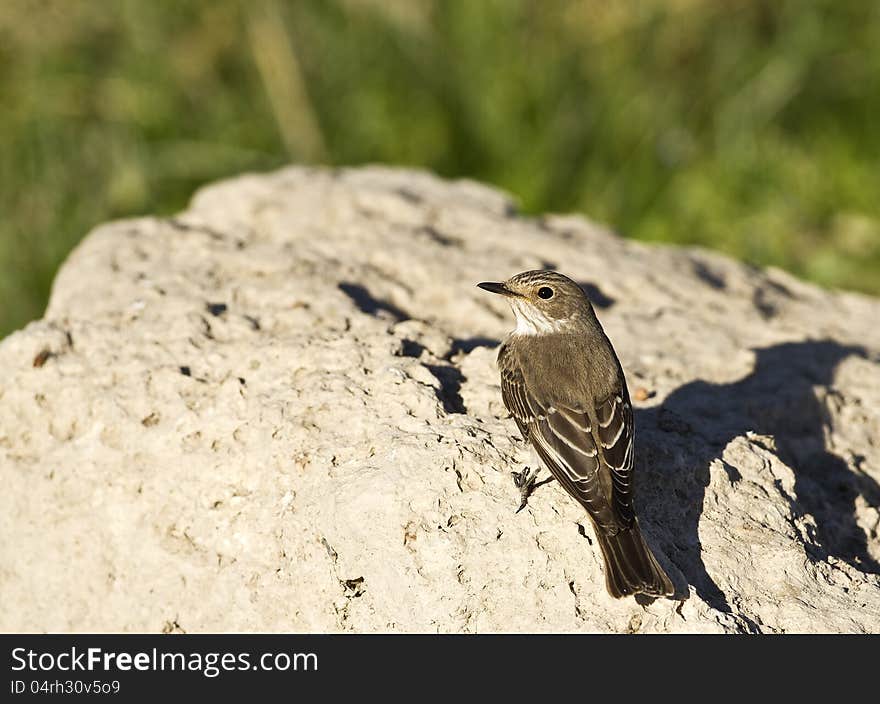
748	126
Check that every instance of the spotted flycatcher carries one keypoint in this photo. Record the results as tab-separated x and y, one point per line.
563	384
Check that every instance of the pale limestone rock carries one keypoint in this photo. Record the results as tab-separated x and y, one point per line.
279	411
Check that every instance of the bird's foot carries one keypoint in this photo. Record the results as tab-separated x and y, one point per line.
525	482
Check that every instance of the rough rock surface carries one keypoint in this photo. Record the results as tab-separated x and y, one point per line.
279	411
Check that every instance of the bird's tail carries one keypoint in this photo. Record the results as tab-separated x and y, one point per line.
630	566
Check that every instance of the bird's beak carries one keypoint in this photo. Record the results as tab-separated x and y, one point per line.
493	287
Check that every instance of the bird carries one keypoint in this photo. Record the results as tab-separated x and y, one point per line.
563	383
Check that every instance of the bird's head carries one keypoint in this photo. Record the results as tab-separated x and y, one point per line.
543	301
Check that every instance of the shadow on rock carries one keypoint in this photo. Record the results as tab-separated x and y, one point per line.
786	396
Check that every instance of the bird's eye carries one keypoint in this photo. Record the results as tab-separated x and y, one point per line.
545	292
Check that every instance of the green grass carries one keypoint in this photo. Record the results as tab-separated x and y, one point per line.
747	126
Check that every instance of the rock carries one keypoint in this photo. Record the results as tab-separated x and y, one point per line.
279	411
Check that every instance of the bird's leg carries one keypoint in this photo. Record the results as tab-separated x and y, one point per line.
525	482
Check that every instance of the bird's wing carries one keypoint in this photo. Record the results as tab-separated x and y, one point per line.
566	441
615	433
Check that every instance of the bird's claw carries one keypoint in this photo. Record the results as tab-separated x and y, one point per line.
525	482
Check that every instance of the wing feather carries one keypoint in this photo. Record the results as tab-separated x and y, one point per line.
616	433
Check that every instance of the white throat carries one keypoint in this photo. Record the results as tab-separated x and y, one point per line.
531	321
